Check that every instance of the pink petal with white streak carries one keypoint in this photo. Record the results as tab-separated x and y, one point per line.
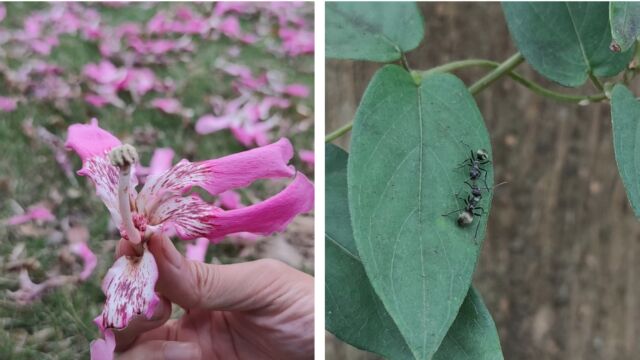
102	349
219	175
198	250
129	287
188	217
269	216
89	259
93	144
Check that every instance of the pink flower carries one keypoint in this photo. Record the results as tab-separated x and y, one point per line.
37	212
298	90
89	259
102	349
168	105
161	207
8	104
198	250
105	73
307	157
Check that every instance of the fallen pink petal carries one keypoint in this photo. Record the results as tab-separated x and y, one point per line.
34	213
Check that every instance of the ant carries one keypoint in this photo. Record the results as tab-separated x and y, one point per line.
474	161
471	208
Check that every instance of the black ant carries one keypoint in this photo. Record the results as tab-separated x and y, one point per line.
471	208
474	161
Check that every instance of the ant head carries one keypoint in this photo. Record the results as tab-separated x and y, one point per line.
482	155
465	218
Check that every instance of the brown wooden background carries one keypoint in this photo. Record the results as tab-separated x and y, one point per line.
558	267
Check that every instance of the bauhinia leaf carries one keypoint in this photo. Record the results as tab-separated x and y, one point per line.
408	142
473	336
625	113
624	17
565	41
375	31
356	315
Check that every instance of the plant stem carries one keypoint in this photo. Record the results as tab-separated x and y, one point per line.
596	82
529	84
499	70
508	65
341	131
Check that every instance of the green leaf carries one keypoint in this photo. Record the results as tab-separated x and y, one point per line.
565	41
624	17
625	112
379	31
407	144
353	311
473	336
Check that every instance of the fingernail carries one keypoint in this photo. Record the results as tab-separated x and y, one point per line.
180	351
171	253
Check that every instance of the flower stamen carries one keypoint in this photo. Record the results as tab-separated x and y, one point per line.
124	157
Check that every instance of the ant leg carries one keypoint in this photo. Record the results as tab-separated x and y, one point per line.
479	208
454	211
466	162
475	237
486	185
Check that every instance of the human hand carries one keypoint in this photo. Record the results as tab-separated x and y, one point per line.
254	310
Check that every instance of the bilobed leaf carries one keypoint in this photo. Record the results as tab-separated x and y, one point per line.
624	17
356	315
375	31
565	41
407	144
625	115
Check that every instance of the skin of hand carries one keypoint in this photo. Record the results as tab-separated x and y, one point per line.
255	310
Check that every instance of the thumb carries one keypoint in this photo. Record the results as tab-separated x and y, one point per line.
239	287
162	350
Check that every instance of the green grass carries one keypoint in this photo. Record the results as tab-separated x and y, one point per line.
60	325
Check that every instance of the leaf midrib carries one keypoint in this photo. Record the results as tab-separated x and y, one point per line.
575	29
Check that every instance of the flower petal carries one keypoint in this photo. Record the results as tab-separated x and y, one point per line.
129	287
269	216
188	217
198	250
89	259
93	144
102	349
89	140
219	175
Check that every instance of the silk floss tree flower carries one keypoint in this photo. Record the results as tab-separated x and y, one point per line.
165	206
